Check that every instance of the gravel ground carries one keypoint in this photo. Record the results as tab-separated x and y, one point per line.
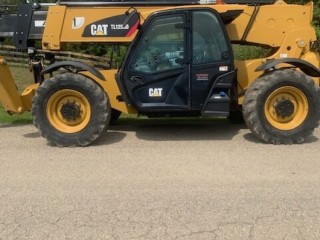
159	180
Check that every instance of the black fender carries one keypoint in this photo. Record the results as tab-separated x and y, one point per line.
230	15
79	66
304	66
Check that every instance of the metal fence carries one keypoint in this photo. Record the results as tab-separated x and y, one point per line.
18	57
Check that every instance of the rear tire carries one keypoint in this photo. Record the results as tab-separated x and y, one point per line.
282	107
71	110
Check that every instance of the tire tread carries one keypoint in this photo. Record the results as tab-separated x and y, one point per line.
251	115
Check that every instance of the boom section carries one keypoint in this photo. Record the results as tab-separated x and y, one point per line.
111	22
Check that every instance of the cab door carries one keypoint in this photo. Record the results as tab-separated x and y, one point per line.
212	67
156	73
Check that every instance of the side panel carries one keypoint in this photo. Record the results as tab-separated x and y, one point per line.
53	30
94	24
278	19
112	89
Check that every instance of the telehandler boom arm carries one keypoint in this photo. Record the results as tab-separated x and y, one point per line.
74	22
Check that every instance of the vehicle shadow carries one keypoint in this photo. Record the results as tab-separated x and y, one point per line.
14	125
190	129
251	138
35	134
197	129
109	138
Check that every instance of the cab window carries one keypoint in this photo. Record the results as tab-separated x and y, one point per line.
161	47
209	43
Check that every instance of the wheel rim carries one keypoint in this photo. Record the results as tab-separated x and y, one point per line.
286	108
68	111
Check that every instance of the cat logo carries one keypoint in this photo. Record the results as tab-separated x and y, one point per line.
155	92
99	30
77	22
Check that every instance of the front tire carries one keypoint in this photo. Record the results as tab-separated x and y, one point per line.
282	107
71	110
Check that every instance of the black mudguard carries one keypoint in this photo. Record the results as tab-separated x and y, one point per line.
228	16
79	66
304	66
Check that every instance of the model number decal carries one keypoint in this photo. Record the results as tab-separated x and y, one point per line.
102	29
115	26
119	26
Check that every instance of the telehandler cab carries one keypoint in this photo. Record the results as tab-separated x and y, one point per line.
179	62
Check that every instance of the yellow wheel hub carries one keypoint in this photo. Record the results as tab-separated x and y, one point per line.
68	111
286	108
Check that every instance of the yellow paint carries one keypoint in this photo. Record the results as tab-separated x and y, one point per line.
288	28
53	111
273	24
314	59
112	89
27	96
301	108
54	27
282	26
9	96
10	99
13	102
283	20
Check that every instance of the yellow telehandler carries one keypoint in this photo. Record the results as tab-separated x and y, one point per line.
179	62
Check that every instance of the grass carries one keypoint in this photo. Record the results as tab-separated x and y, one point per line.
24	118
22	78
246	52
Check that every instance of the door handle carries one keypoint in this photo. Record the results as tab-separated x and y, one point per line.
137	79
